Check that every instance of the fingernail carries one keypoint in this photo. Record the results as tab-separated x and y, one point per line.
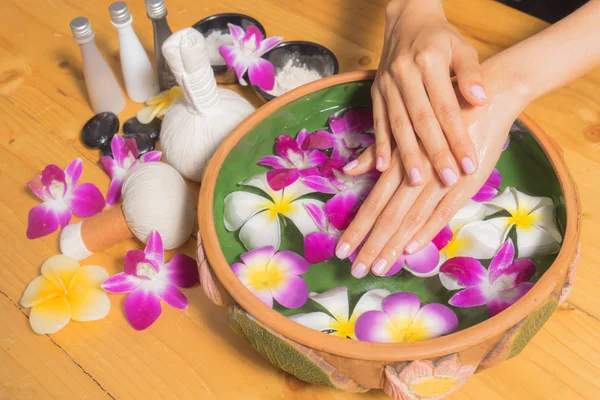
342	251
478	91
350	165
415	176
359	271
449	177
412	247
468	165
379	267
379	163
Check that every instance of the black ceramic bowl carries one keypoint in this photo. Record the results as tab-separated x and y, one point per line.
218	22
308	54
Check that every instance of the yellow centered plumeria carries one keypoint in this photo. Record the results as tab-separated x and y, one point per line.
159	105
260	277
411	331
342	326
522	219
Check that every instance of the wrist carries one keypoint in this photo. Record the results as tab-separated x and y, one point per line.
505	82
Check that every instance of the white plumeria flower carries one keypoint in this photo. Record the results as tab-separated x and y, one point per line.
259	217
533	219
470	212
339	321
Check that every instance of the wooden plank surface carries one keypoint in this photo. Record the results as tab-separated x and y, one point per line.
193	354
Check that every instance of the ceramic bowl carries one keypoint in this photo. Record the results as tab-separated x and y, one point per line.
311	55
218	22
418	370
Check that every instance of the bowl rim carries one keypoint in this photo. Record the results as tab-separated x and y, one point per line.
385	352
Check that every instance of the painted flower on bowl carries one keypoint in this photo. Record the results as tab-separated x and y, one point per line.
65	291
125	153
148	279
498	287
489	190
159	105
337	320
533	219
260	217
402	319
291	161
245	55
269	275
62	197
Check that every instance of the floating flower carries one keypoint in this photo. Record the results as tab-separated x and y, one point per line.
259	217
320	246
489	190
159	105
338	321
245	55
65	291
291	161
402	319
62	196
125	153
533	219
348	133
148	279
499	287
269	275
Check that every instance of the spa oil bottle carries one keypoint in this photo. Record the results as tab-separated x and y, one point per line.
157	12
140	80
102	86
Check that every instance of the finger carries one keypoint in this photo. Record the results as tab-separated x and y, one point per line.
426	125
387	224
447	110
364	163
465	64
383	132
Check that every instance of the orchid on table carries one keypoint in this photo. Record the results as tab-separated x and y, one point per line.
269	275
291	161
62	197
338	321
498	287
245	55
125	153
260	217
149	279
402	319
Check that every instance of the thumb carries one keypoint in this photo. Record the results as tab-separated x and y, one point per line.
465	64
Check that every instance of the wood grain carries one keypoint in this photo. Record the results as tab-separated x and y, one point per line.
193	354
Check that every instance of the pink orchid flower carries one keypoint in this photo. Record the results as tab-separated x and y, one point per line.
348	133
489	190
404	320
62	197
148	279
291	161
498	287
245	55
125	153
271	275
320	246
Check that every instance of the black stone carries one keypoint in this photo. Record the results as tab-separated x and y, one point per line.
143	141
152	129
99	130
106	150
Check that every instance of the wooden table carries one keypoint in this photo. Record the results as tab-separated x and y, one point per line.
193	354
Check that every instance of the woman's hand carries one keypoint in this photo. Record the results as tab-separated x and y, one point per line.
413	96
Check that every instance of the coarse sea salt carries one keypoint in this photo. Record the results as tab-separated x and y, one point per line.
291	76
214	40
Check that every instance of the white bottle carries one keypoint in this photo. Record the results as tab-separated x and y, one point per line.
140	80
102	86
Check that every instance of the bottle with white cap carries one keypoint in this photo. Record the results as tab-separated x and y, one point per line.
157	12
102	86
140	80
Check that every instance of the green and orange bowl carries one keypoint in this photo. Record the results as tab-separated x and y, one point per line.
427	369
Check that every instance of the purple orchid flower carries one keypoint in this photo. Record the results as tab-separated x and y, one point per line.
500	286
125	153
62	197
149	279
320	246
291	161
489	190
245	55
348	133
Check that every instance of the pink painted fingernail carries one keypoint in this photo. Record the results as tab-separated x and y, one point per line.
412	247
478	91
359	271
342	251
350	165
415	176
379	267
467	165
449	177
379	163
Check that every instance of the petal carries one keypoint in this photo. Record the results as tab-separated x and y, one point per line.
110	166
88	304
292	293
289	262
262	74
479	239
73	172
321	140
119	149
470	212
398	265
431	321
154	247
59	270
318	321
335	301
466	271
37	187
261	230
503	258
317	214
281	178
173	297
39	290
87	277
520	271
530	203
240	206
258	258
300	217
42	221
121	283
260	182
253	36
495	179
505	201
86	200
319	247
151	156
50	316
373	326
132	259
296	190
425	262
469	297
486	193
341	209
273	162
543	218
316	158
182	271
268	44
319	184
53	173
147	114
534	241
507	298
302	137
237	32
369	301
401	307
365	140
443	237
287	147
113	196
142	308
